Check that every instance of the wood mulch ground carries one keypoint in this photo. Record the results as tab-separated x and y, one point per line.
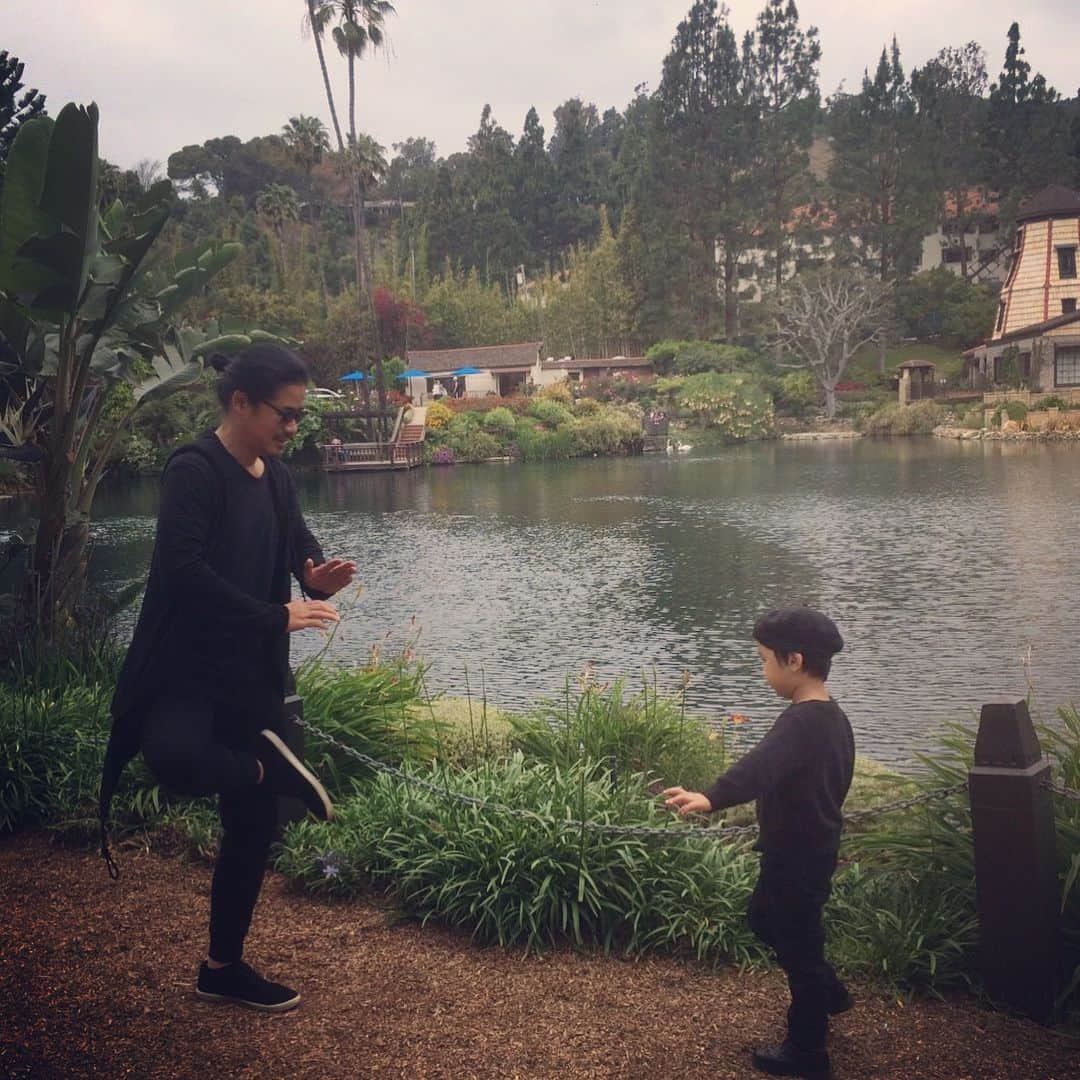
96	979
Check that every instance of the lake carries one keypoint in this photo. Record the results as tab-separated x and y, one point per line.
951	568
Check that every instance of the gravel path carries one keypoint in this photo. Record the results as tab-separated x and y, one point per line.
96	979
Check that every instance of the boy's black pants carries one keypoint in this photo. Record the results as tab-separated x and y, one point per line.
194	746
785	913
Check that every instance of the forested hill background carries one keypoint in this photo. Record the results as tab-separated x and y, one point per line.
624	224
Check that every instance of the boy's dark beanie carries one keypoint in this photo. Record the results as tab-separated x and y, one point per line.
801	630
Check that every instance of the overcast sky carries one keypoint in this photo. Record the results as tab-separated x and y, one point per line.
166	74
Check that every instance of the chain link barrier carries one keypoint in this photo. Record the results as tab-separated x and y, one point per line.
688	831
1060	789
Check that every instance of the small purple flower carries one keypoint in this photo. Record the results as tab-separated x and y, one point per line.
329	865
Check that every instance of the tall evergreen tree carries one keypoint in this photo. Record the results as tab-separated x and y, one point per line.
573	149
535	182
884	192
950	96
696	195
1026	132
784	60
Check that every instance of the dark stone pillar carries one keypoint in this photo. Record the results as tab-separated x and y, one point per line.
1016	877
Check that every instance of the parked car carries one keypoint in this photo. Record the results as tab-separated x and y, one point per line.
323	393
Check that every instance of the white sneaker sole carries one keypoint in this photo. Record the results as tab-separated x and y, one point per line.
298	765
283	1006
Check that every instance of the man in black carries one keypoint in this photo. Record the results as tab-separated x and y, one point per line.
201	690
799	774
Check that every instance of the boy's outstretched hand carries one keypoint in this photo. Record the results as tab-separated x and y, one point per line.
686	802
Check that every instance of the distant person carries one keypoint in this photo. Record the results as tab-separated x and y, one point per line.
799	774
438	390
202	687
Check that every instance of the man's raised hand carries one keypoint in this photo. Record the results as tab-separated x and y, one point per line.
311	615
329	577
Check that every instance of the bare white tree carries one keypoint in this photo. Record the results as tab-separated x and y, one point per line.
148	172
826	318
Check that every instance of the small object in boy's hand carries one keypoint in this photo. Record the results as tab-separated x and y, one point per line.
655	787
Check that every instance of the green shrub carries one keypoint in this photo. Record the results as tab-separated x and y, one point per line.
798	393
586	406
500	421
550	412
974	418
509	874
896	419
1051	402
558	391
536	444
695	357
735	404
610	432
1016	411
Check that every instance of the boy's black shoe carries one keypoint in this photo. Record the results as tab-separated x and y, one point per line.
788	1060
240	983
840	1000
285	774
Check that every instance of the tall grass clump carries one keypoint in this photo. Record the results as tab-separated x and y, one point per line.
378	710
896	419
905	911
633	732
52	742
532	879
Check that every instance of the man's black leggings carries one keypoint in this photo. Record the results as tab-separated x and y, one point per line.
197	747
785	913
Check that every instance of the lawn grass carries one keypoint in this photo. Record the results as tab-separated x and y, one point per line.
864	364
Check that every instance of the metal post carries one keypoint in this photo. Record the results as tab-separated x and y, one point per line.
290	810
1016	879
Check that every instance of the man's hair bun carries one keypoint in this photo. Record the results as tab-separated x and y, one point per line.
219	362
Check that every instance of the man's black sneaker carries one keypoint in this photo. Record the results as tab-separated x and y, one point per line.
840	1001
285	774
240	983
788	1060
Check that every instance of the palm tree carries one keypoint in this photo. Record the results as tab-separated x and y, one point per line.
359	26
277	204
307	137
319	14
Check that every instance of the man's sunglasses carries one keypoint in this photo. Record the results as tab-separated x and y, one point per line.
288	416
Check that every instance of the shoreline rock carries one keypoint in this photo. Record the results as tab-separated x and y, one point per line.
812	436
996	435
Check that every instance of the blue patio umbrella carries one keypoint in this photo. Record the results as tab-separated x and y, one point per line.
467	371
413	373
354	376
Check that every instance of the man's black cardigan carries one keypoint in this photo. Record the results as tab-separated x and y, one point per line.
190	603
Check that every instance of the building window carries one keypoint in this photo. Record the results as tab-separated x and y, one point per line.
1067	365
1001	314
1066	262
1068	306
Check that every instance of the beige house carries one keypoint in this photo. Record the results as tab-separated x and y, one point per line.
507	369
500	369
1038	323
978	252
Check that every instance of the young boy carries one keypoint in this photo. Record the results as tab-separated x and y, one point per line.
799	774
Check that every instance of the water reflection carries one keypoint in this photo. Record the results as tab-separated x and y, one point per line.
942	562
